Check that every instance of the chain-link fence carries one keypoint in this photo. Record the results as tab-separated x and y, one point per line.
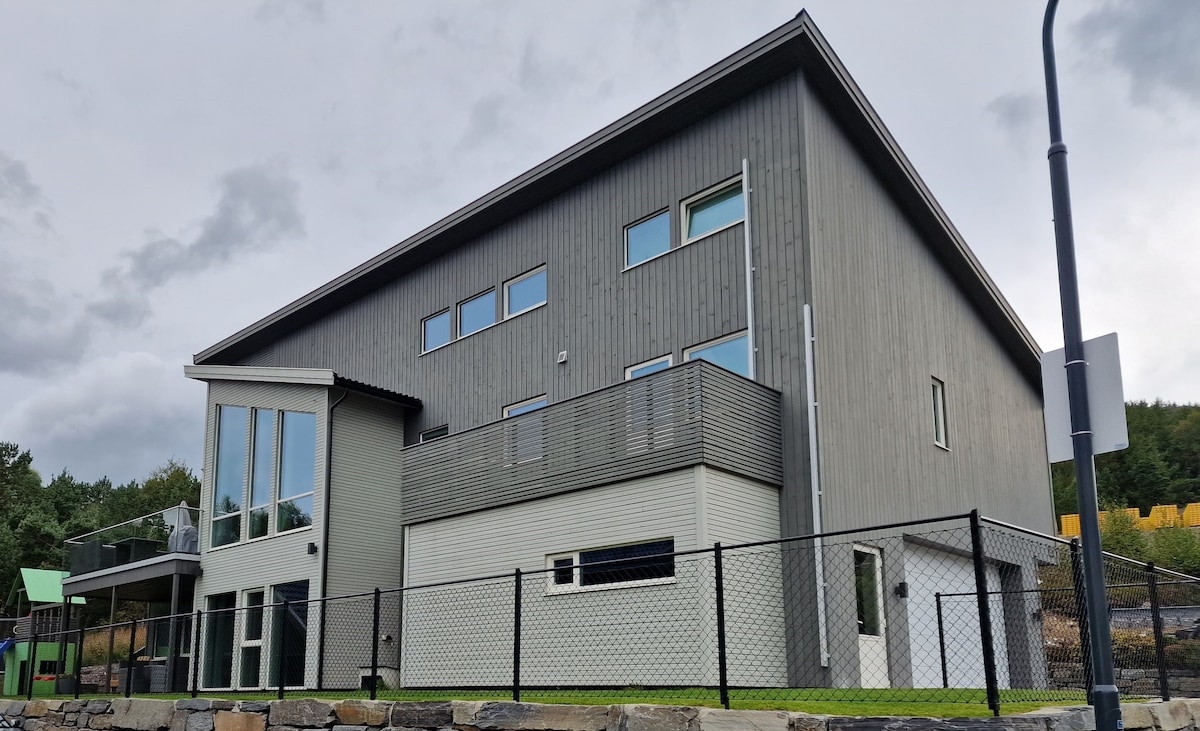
958	610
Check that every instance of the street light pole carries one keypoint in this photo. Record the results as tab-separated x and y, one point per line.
1105	698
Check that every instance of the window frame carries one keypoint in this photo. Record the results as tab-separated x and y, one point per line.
235	516
312	492
517	280
458	333
245	642
941	431
424	436
646	219
669	358
714	191
687	352
450	328
576	567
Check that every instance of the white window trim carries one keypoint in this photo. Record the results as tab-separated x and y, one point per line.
687	352
628	371
735	182
511	407
576	588
457	333
638	222
421	438
518	279
264	630
424	320
939	414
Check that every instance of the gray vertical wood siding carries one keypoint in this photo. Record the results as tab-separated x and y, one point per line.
888	318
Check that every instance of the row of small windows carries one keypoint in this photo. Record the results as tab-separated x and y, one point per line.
705	213
521	294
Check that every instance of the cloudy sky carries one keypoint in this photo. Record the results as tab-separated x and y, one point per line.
171	172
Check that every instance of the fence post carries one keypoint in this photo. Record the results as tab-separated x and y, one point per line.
279	633
324	604
937	598
112	648
1160	657
985	614
32	662
132	649
375	648
196	654
722	665
516	682
1081	617
79	660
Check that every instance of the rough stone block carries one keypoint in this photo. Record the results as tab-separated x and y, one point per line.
423	715
34	724
73	706
70	719
15	708
101	722
199	721
362	713
193	704
223	705
233	721
1136	715
139	714
54	718
1188	685
464	712
1080	718
1171	715
253	706
340	727
713	719
657	718
83	720
305	713
95	706
1193	705
35	709
808	722
534	717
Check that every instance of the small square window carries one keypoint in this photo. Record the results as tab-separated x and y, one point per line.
434	433
525	292
477	313
650	366
940	437
731	352
713	210
435	331
647	239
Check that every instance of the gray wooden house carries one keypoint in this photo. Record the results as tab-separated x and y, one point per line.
735	314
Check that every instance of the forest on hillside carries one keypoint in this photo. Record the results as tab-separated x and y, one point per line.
36	517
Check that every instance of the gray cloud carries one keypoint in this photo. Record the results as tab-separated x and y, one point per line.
543	76
291	12
487	120
16	185
36	335
257	208
1157	43
1016	112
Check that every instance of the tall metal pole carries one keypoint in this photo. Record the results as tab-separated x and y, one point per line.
1105	698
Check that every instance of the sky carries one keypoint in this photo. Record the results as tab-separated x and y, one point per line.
173	172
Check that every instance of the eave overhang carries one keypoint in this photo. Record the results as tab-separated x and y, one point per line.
302	376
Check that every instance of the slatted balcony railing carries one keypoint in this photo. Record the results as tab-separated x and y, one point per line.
694	413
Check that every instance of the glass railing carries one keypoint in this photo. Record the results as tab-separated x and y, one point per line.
168	531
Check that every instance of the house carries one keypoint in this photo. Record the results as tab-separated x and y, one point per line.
735	314
30	650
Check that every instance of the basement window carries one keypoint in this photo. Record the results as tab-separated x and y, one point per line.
637	564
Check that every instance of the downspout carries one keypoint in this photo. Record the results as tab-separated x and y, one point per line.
746	190
815	482
325	532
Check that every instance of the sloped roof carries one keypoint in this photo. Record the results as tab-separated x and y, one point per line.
44	586
796	45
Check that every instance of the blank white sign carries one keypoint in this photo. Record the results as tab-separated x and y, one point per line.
1106	399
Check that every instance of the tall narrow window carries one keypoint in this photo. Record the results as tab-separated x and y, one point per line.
713	210
731	352
647	239
297	470
525	292
939	414
477	313
868	594
231	473
262	472
250	674
218	641
435	331
290	631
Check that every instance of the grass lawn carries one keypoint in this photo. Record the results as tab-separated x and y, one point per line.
929	702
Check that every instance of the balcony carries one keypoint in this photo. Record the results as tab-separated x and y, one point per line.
694	413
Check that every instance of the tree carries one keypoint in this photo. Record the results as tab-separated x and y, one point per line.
1121	535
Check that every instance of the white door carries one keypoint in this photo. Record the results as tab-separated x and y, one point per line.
872	627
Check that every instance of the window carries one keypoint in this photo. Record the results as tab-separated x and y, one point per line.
525	292
231	472
276	481
647	239
731	352
218	641
868	591
638	563
524	407
435	331
713	210
650	366
297	470
477	313
434	433
250	671
939	414
290	630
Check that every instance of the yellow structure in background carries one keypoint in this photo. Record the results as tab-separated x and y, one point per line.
1161	516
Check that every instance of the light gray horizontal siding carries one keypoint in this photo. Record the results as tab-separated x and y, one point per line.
669	420
888	318
738	510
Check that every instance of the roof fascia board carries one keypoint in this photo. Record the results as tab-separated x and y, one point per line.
261	374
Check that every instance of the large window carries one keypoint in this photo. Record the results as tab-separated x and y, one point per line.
713	210
477	313
647	239
637	563
525	292
731	352
273	489
250	672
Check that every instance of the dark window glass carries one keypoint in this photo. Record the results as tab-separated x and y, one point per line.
866	592
563	571
440	431
635	563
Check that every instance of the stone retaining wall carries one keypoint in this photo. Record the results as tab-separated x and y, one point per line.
1129	681
355	715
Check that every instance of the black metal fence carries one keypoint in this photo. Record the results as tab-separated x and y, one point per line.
958	609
